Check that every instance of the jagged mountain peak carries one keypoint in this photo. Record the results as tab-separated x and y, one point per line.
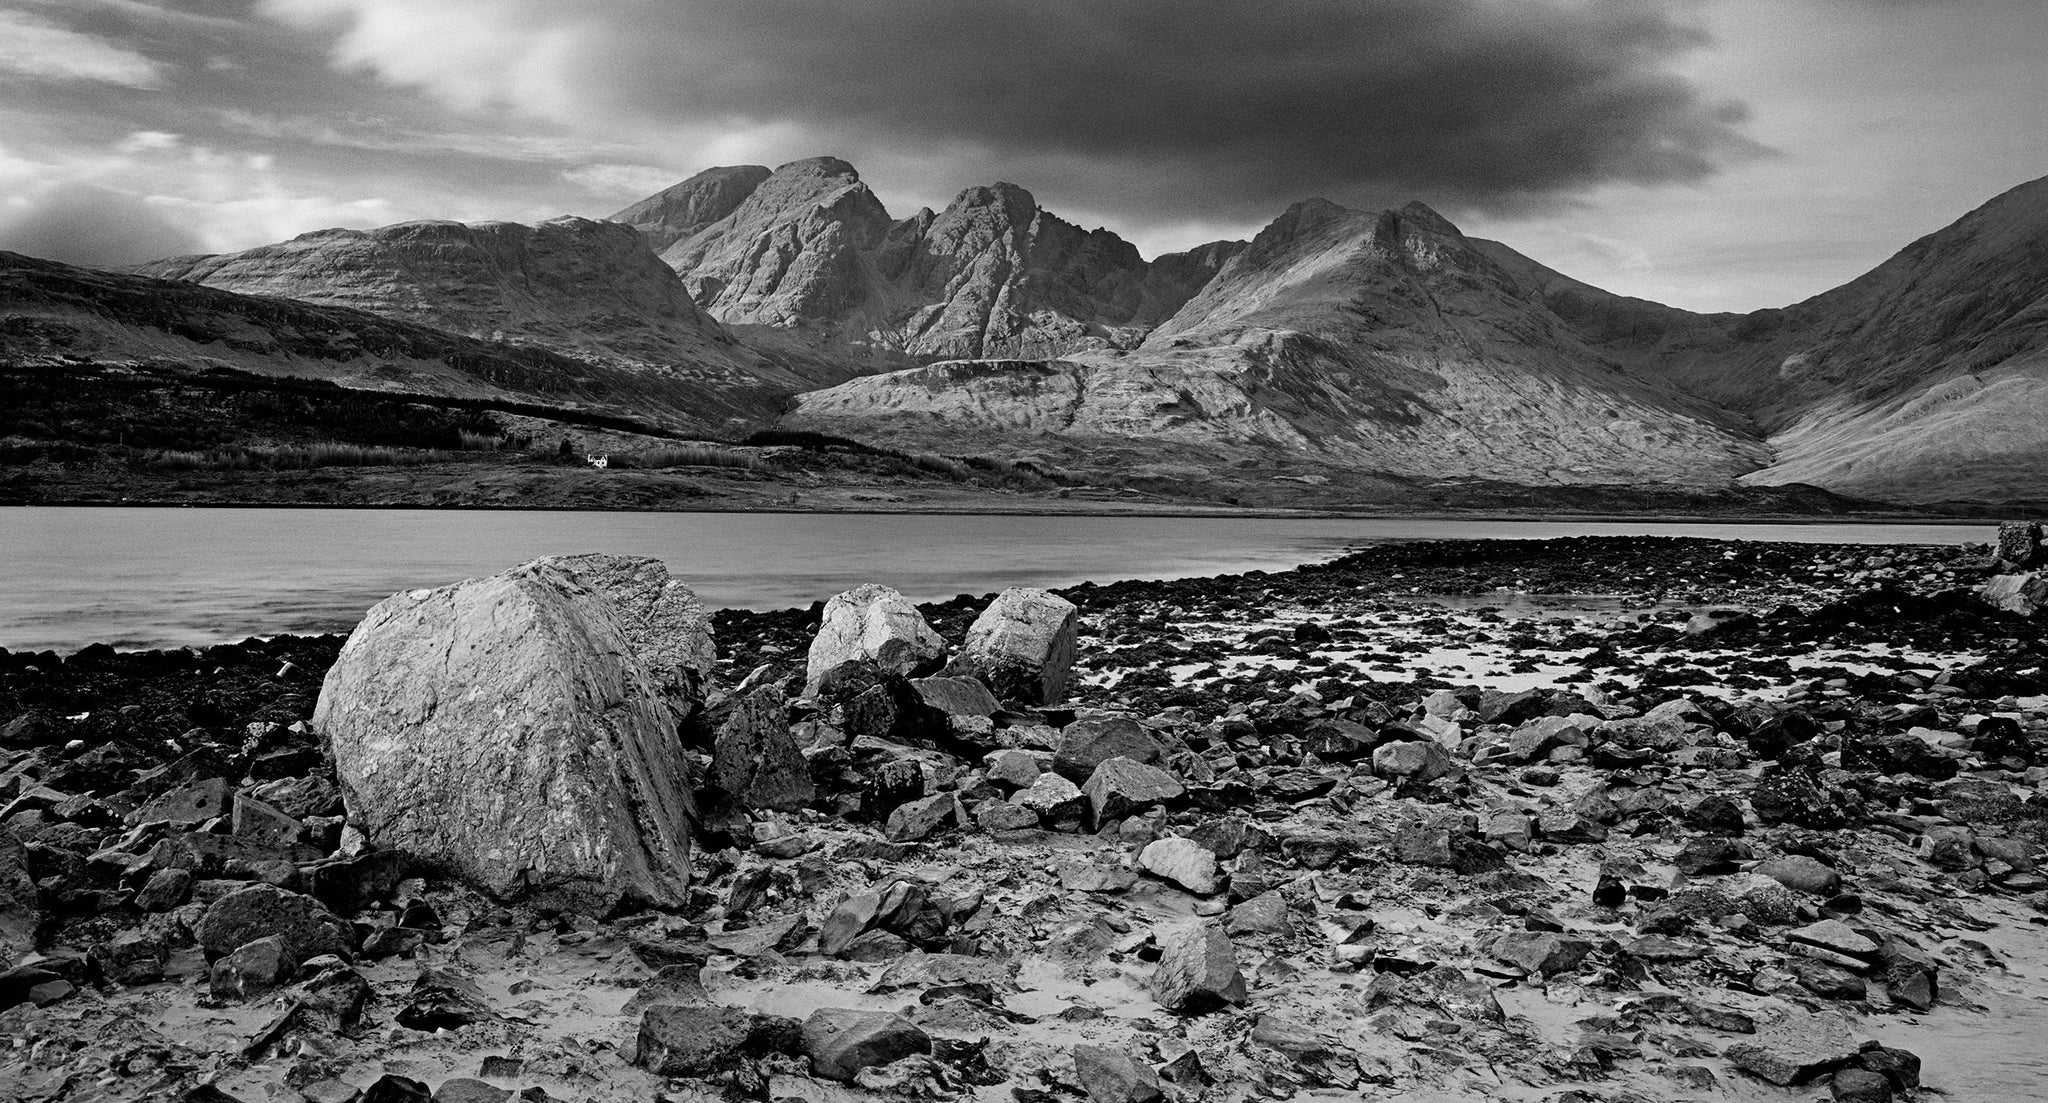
680	210
1417	215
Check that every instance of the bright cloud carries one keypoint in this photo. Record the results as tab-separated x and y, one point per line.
31	46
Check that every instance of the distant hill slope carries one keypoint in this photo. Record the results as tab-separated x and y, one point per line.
53	314
993	274
1925	379
581	288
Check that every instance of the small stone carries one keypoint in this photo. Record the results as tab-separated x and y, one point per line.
1796	1049
132	957
165	889
1057	802
1541	953
1197	969
1185	863
190	804
392	1088
251	970
995	816
755	760
1266	913
1122	787
1801	873
1835	935
1013	769
921	818
306	927
1860	1086
1413	760
841	1041
1096	877
1087	744
1110	1076
694	1040
259	822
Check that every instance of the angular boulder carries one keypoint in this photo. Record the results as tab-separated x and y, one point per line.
1113	1076
682	1040
1188	864
1197	969
755	759
872	624
2024	594
1086	744
841	1041
519	731
21	905
1121	787
1022	646
303	926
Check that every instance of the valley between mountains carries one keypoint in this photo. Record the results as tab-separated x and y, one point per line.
752	338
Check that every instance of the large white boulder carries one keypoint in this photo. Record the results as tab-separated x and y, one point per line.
520	731
872	624
1022	645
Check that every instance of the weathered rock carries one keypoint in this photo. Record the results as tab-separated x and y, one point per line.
1187	864
252	969
21	907
696	1040
1022	645
872	625
132	957
1860	1086
1837	937
2024	594
1802	874
1197	969
255	820
1121	787
303	925
1012	769
189	804
1087	744
2019	544
1541	953
919	819
463	719
841	1041
1266	913
956	697
1796	1049
1057	801
754	758
1112	1076
1413	760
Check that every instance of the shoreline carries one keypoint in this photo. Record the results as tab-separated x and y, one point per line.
1567	877
1988	517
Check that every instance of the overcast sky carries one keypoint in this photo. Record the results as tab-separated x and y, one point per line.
1712	154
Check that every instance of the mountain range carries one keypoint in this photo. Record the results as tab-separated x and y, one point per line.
1337	344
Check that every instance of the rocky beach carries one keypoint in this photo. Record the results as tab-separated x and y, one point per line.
1615	818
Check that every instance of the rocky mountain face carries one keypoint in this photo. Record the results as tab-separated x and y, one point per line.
1384	340
1390	341
670	215
991	275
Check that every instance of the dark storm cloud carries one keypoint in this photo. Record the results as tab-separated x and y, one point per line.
94	227
1223	105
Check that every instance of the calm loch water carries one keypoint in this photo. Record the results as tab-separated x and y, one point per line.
139	578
